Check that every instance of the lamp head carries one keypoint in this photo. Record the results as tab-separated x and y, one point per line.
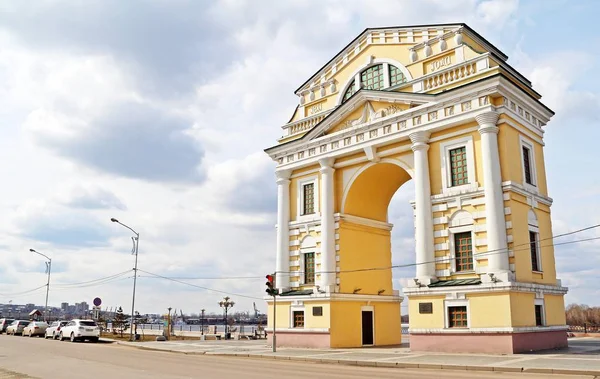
32	250
114	219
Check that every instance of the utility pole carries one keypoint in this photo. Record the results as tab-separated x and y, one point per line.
136	241
48	268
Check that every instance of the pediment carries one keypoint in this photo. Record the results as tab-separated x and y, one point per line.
366	107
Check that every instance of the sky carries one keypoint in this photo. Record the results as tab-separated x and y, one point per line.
157	113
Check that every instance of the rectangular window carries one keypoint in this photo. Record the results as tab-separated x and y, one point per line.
308	198
458	166
298	319
309	268
463	251
527	165
533	246
539	319
457	317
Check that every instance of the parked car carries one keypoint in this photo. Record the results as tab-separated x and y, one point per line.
80	330
4	323
35	328
54	329
16	327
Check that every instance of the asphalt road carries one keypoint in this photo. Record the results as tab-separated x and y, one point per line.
22	357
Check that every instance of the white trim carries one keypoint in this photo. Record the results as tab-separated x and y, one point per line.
497	330
367	308
338	297
538	252
445	147
409	170
456	303
296	308
451	245
526	143
488	287
363	221
300	216
540	302
385	62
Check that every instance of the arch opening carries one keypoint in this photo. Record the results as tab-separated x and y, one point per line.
366	237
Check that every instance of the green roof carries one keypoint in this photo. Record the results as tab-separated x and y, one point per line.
297	292
455	282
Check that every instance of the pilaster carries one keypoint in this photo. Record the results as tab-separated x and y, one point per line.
283	233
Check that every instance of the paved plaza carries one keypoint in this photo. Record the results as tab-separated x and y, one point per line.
582	356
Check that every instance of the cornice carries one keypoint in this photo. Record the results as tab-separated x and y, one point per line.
445	110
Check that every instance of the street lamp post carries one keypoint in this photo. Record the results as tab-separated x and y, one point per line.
226	304
48	268
202	322
136	241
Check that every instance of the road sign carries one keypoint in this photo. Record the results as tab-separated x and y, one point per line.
97	302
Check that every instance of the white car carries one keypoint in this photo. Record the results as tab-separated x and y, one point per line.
80	330
35	328
54	329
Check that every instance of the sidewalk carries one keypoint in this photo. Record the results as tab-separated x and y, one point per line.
581	358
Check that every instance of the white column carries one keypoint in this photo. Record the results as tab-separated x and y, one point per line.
283	230
494	202
424	217
327	226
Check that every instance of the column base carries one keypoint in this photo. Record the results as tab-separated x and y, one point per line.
489	343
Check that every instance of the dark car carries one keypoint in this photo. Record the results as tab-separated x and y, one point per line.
4	322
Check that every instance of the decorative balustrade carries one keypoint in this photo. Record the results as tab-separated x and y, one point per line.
304	124
451	75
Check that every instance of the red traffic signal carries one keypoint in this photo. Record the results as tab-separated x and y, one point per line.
271	285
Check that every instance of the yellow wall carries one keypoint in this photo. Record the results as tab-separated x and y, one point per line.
362	247
372	191
320	322
489	310
283	314
434	320
522	309
346	323
555	310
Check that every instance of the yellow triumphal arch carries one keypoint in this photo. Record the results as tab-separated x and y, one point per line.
437	104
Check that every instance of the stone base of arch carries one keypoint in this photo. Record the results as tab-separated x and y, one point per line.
337	321
490	343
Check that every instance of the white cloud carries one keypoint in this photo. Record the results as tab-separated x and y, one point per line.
201	99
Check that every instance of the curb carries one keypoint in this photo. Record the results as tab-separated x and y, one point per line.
399	365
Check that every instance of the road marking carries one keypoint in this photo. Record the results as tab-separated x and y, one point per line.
403	356
511	361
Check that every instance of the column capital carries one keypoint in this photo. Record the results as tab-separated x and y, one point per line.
326	165
283	176
419	140
487	118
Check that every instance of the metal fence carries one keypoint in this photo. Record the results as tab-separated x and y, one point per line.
585	328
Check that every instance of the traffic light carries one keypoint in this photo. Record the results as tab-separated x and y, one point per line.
271	290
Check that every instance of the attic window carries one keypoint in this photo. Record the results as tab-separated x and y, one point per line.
376	77
372	78
396	76
350	91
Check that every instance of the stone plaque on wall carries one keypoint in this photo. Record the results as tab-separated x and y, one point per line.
425	308
317	311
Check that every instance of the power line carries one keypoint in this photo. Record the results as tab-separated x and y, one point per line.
201	287
23	292
447	259
94	280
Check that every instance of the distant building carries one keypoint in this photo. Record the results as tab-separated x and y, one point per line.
64	307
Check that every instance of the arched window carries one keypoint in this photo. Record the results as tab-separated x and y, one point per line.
396	76
350	91
375	77
372	78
